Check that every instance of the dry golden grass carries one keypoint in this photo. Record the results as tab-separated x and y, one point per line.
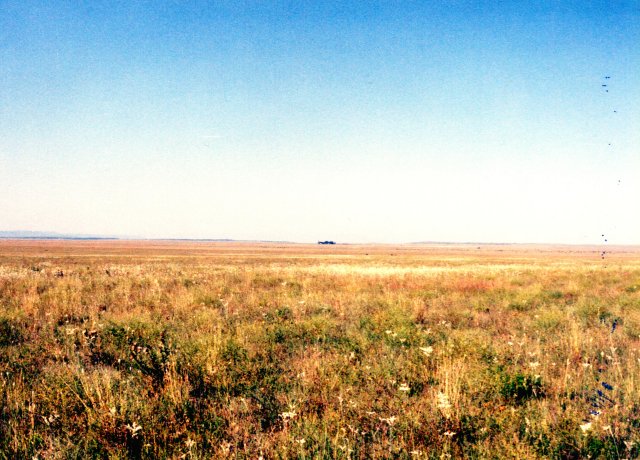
112	349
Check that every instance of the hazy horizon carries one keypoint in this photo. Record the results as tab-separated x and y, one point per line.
456	121
43	235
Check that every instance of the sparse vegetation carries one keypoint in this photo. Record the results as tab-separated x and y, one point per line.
241	351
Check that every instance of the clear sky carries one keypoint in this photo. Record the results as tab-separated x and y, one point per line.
393	121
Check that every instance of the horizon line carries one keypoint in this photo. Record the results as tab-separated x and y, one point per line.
53	236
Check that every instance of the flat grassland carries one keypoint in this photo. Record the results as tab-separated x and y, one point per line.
114	349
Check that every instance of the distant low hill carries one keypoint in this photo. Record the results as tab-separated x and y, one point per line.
31	235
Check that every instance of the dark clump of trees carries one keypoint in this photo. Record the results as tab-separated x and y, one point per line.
326	242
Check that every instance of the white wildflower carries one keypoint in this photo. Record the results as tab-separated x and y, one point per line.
449	434
443	401
50	419
585	427
134	428
534	364
390	420
443	404
404	387
426	350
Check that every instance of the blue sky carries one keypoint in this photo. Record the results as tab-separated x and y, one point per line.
353	121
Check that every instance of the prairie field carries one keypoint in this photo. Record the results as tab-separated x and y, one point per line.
118	349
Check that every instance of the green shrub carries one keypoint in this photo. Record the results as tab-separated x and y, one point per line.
10	332
519	387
